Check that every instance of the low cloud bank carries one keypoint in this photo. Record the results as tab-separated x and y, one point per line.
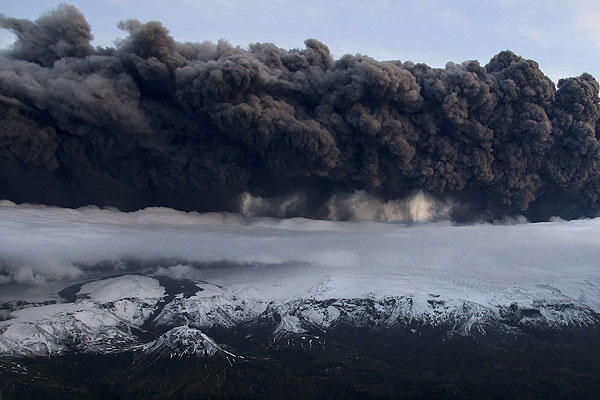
41	244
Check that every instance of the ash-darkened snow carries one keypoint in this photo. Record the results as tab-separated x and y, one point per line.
153	121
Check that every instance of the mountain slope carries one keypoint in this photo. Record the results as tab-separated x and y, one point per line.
119	313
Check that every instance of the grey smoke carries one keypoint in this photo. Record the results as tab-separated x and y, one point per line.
154	121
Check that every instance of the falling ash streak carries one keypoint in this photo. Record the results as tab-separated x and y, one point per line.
360	206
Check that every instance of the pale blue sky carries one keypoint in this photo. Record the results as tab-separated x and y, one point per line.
562	35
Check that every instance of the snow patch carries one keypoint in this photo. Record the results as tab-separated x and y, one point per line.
182	341
139	287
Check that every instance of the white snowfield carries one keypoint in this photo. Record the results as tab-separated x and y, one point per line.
301	276
104	322
131	298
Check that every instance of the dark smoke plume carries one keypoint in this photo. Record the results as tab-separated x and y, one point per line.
194	125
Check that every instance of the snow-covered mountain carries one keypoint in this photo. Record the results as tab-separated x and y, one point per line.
102	319
137	313
181	341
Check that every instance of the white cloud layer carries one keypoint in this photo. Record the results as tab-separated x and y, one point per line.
42	244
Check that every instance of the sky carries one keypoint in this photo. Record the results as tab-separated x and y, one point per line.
563	36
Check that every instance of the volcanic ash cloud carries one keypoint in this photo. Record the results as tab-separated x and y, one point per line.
194	126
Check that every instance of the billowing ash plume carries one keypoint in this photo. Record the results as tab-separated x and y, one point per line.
194	125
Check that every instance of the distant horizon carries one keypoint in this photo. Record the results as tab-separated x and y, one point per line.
561	37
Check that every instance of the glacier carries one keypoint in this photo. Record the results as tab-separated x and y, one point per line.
115	314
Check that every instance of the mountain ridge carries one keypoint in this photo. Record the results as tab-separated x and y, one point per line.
123	313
